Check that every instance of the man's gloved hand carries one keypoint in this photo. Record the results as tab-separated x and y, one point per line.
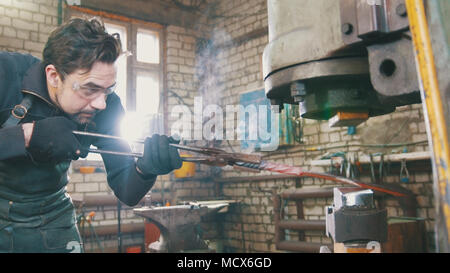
159	158
52	140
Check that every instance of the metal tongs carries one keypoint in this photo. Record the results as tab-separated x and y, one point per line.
213	156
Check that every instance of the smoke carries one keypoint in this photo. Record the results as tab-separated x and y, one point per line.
211	62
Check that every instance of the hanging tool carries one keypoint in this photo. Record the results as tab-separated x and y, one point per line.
380	169
218	157
372	170
404	174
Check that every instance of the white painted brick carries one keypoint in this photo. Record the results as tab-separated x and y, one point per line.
70	187
95	177
48	10
419	137
9	32
46	28
176	29
324	138
37	17
172	36
172	52
34	46
187	39
49	20
5	21
25	5
315	210
172	68
104	187
34	36
335	137
11	42
76	177
23	34
186	53
413	127
12	12
422	127
7	2
22	24
86	187
26	15
174	44
187	69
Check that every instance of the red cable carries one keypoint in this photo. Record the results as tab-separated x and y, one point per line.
297	171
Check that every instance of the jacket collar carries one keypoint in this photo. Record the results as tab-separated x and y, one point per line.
35	83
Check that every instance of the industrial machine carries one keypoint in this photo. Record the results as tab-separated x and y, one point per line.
354	223
348	60
344	60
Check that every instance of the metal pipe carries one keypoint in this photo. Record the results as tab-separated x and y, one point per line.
300	216
108	200
301	246
302	224
279	232
307	193
112	229
254	178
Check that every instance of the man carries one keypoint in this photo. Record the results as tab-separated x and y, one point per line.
41	103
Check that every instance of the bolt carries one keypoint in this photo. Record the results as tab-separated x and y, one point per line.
299	99
298	91
347	28
401	10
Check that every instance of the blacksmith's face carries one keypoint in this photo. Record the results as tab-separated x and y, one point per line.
83	93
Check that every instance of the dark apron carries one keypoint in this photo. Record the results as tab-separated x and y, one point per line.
45	226
36	213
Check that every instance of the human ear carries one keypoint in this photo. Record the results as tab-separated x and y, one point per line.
52	75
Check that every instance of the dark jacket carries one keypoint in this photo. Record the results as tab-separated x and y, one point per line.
23	180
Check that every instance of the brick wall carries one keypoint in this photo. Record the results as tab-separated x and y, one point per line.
26	24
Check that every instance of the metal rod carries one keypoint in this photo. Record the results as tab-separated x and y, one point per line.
301	246
302	224
178	146
139	155
81	133
98	151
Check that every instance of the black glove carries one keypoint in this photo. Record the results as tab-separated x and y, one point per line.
159	158
52	140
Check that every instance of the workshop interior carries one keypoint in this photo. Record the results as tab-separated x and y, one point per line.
348	101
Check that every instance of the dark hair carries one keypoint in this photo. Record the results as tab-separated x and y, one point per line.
78	44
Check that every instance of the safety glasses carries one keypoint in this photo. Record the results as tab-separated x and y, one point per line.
92	92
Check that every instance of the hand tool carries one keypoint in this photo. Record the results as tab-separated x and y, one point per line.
98	151
218	157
